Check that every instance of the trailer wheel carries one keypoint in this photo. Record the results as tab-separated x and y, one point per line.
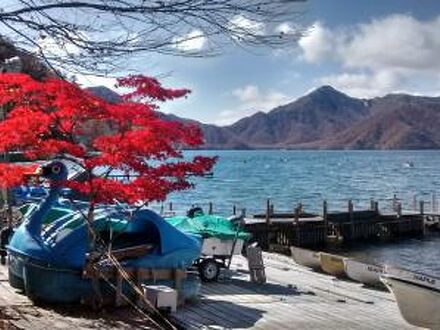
209	270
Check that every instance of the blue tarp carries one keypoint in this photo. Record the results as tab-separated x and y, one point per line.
63	242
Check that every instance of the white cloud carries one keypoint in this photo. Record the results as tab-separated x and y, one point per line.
90	81
248	93
285	28
251	100
364	84
378	57
191	42
57	47
246	28
317	43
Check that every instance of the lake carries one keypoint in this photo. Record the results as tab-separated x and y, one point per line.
248	178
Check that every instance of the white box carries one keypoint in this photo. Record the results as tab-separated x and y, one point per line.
161	296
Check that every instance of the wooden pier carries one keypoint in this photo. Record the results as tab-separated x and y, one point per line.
275	231
293	298
17	312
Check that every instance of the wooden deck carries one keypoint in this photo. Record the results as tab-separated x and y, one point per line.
293	298
18	312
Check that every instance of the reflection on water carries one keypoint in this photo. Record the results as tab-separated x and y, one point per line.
247	178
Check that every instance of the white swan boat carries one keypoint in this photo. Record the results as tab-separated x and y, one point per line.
417	295
362	272
306	257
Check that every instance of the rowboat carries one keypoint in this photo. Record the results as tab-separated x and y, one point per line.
417	295
363	272
332	264
306	257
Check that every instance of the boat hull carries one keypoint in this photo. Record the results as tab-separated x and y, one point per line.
417	302
363	272
15	270
54	285
306	257
66	286
332	264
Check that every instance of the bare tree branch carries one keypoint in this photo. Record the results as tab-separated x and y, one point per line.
98	36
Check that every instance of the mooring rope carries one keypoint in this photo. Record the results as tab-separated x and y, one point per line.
125	276
128	300
135	288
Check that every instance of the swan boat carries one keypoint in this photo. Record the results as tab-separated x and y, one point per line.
306	257
417	295
362	272
47	260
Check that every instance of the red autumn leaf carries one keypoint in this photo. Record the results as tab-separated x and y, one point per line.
52	118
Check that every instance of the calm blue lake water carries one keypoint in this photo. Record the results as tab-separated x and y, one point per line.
247	178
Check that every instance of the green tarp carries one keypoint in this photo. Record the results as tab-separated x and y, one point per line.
207	226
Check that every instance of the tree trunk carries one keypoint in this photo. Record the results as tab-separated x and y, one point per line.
93	258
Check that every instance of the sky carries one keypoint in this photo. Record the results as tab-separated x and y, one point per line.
364	48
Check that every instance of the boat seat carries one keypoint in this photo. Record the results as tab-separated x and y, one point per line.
132	251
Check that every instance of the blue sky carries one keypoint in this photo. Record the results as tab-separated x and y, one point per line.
365	48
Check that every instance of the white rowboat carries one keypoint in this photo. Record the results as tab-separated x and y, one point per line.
417	295
362	272
332	264
306	257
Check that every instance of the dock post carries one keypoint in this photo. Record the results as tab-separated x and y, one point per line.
210	208
267	238
297	210
234	210
350	214
422	207
171	206
395	203
268	211
324	216
298	227
399	210
433	203
350	209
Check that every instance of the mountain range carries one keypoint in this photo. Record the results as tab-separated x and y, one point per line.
329	119
323	119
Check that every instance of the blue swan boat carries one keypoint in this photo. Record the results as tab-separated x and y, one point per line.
47	263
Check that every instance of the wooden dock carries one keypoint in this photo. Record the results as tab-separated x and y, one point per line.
277	231
17	312
293	298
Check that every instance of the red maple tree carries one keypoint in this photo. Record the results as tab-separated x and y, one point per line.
56	118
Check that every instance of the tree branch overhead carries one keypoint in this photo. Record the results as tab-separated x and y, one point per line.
97	36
